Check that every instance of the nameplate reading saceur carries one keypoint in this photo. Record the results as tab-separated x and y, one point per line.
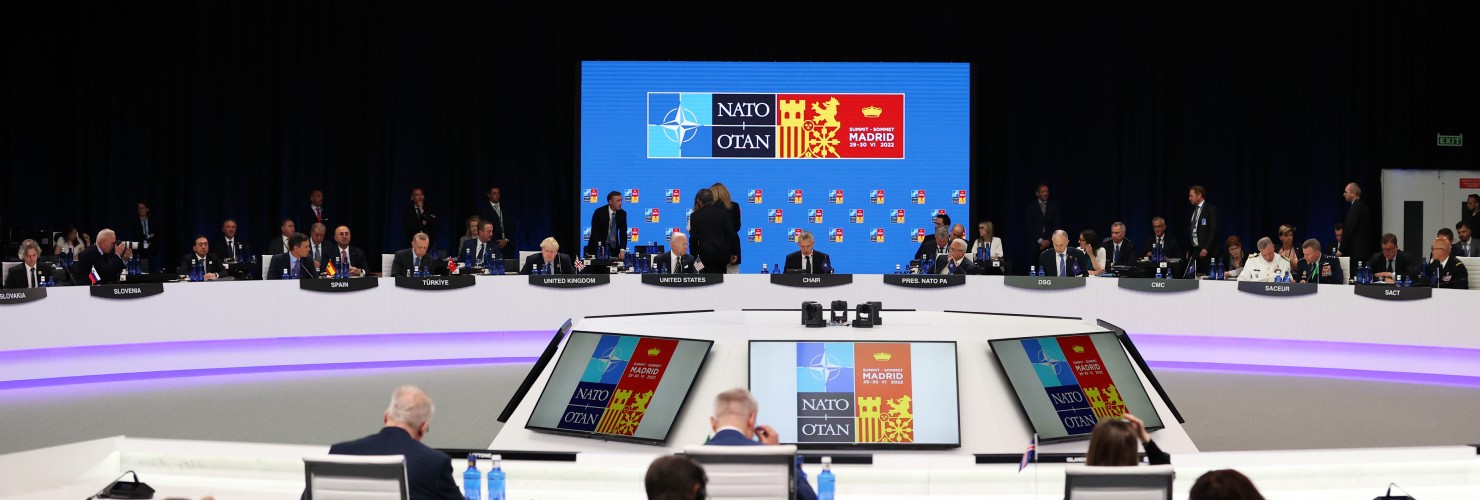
569	280
1277	289
22	296
126	291
682	280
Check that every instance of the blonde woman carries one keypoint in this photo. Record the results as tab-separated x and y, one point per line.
722	197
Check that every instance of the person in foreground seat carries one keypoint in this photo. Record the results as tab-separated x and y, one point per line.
1113	443
673	477
1224	484
407	420
734	425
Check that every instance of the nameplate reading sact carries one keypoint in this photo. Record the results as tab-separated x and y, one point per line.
1277	289
682	280
569	280
1381	292
126	291
21	295
811	280
1043	282
925	280
1154	285
437	282
338	285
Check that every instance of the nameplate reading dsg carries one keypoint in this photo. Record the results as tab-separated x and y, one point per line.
682	280
437	282
126	291
21	295
1381	292
1043	282
1277	289
338	285
811	280
569	280
925	280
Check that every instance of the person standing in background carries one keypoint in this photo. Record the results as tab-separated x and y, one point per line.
722	197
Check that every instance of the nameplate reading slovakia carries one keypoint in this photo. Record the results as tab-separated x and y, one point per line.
338	285
569	280
682	280
21	296
925	280
437	282
126	291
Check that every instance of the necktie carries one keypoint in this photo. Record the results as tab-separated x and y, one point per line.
294	272
344	258
146	227
1195	212
1390	265
479	254
318	213
1116	254
416	263
317	255
677	264
807	264
611	230
1061	264
232	245
1043	207
32	278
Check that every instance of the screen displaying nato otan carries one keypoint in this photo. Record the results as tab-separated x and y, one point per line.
857	394
618	387
861	155
1066	384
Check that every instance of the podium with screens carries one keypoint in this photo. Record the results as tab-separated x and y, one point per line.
618	387
858	394
1066	384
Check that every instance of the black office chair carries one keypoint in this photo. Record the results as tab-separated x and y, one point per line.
355	477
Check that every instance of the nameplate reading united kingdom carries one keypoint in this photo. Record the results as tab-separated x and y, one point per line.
569	280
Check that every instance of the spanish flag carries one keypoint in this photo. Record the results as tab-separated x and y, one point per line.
329	268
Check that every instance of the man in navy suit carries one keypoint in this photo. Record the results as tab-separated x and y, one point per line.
482	246
805	259
1118	249
428	471
550	260
734	425
609	225
677	259
294	263
1061	259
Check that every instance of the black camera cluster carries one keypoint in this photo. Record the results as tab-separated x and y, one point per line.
866	316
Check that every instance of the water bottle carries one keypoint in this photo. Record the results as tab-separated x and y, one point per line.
1032	270
897	269
925	264
776	269
1158	273
981	254
1407	280
1434	278
498	267
826	483
467	257
472	480
765	269
496	480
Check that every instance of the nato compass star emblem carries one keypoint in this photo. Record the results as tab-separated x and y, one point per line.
1047	361
680	125
609	360
824	367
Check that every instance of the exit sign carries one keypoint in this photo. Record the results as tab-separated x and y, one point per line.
1452	140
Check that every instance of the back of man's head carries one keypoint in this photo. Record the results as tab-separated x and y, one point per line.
411	408
672	477
734	405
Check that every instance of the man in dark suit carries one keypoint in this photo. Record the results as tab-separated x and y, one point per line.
1203	227
414	258
1061	260
549	259
200	253
1472	210
146	234
609	226
493	210
1464	245
734	424
232	249
1336	245
105	257
1042	220
407	420
677	258
712	235
294	263
342	252
1118	249
934	246
806	259
279	244
1447	271
955	262
1391	261
29	272
1159	237
483	246
315	213
418	219
1356	233
1315	268
318	252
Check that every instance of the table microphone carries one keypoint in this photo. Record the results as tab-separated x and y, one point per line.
1389	495
125	489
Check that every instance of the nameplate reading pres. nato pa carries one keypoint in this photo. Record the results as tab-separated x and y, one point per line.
338	285
21	295
811	280
1043	282
1277	289
682	280
925	280
1388	292
126	291
569	280
437	282
1154	285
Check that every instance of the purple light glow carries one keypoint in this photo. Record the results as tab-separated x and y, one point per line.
1332	373
243	370
1327	357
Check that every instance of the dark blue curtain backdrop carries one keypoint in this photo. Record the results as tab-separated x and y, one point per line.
210	110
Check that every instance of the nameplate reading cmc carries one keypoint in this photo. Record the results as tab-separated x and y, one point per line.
925	280
1154	285
1381	292
338	285
569	280
1277	289
682	280
437	282
1044	282
811	280
21	295
126	291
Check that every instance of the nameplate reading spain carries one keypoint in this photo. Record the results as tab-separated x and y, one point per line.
338	285
682	280
437	282
569	280
1381	292
1043	282
1277	289
1154	285
925	280
811	280
126	291
21	295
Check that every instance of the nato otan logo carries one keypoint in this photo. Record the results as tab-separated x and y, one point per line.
673	196
754	196
652	215
876	196
836	235
919	236
816	216
959	197
755	235
918	197
632	195
878	235
897	216
668	234
937	213
794	235
591	196
857	216
835	197
586	235
795	196
775	216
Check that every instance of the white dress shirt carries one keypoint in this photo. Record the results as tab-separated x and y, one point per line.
1258	269
996	252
